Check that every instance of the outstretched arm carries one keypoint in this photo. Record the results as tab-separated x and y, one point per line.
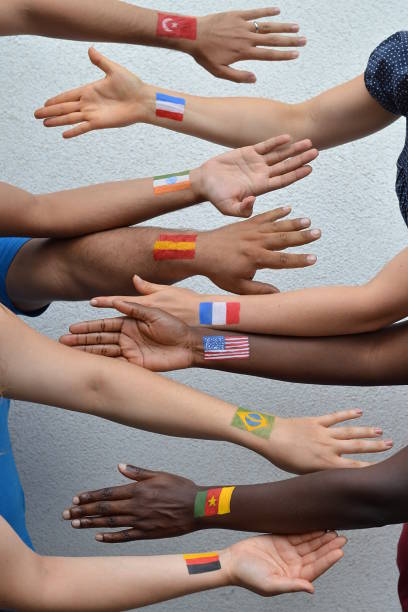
104	263
60	376
344	113
160	342
230	181
335	499
267	565
214	41
319	311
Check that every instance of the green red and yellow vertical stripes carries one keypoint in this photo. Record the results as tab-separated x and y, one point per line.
213	501
202	562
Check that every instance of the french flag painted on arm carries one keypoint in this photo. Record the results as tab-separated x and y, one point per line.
219	313
170	107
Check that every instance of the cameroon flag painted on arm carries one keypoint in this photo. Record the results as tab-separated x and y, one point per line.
213	501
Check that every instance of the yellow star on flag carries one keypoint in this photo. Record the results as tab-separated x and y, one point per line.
211	502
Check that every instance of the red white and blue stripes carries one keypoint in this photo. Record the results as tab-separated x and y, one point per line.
226	347
170	107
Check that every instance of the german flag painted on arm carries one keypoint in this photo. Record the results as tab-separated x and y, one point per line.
202	562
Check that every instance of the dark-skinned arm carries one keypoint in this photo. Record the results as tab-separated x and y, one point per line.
104	263
335	499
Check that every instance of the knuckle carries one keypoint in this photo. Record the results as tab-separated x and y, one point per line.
106	493
283	259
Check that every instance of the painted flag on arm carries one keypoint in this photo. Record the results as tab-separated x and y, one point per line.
170	107
202	562
219	313
258	423
175	246
226	347
166	183
213	501
176	26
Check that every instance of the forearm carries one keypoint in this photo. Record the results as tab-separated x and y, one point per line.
97	583
342	114
98	264
370	359
334	499
96	208
96	20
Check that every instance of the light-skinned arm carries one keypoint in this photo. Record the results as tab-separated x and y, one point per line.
214	41
231	181
267	565
156	340
40	370
319	311
346	112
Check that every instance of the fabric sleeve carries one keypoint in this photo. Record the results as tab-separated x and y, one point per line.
386	75
9	247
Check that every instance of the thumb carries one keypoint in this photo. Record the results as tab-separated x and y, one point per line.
250	287
292	585
232	74
146	288
246	207
100	60
135	473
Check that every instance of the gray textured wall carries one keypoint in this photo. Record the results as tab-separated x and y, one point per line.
350	196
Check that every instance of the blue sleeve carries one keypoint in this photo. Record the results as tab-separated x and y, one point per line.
9	247
386	75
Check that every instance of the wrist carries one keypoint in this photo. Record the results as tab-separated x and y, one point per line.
147	101
226	561
196	183
196	345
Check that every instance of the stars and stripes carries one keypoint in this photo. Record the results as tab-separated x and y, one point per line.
226	347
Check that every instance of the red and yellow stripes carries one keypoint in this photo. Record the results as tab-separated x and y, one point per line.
175	246
202	562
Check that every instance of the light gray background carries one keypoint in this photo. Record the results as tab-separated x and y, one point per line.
350	196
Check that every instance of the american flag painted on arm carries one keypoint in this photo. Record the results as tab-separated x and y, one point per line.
226	347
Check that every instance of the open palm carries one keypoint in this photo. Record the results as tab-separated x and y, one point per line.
109	102
146	337
233	180
271	565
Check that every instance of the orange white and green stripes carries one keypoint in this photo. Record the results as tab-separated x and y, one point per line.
167	183
213	501
202	562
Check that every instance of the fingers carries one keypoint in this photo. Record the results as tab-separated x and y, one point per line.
352	447
80	129
136	311
288	225
275	40
120	536
305	548
288	165
92	339
272	27
146	288
99	522
270	55
280	182
135	473
100	61
272	215
354	433
232	74
57	109
272	143
304	537
284	240
279	260
70	119
251	287
324	559
327	420
105	350
72	95
102	326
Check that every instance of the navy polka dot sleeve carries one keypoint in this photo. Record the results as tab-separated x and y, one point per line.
386	79
386	76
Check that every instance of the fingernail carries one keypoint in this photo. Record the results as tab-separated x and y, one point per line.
75	501
93	302
311	259
122	466
294	54
305	222
389	443
315	233
66	514
359	412
286	208
302	40
378	432
99	537
294	27
251	78
76	523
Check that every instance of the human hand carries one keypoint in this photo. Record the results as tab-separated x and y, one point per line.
271	565
155	505
116	100
226	38
232	181
146	337
310	444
